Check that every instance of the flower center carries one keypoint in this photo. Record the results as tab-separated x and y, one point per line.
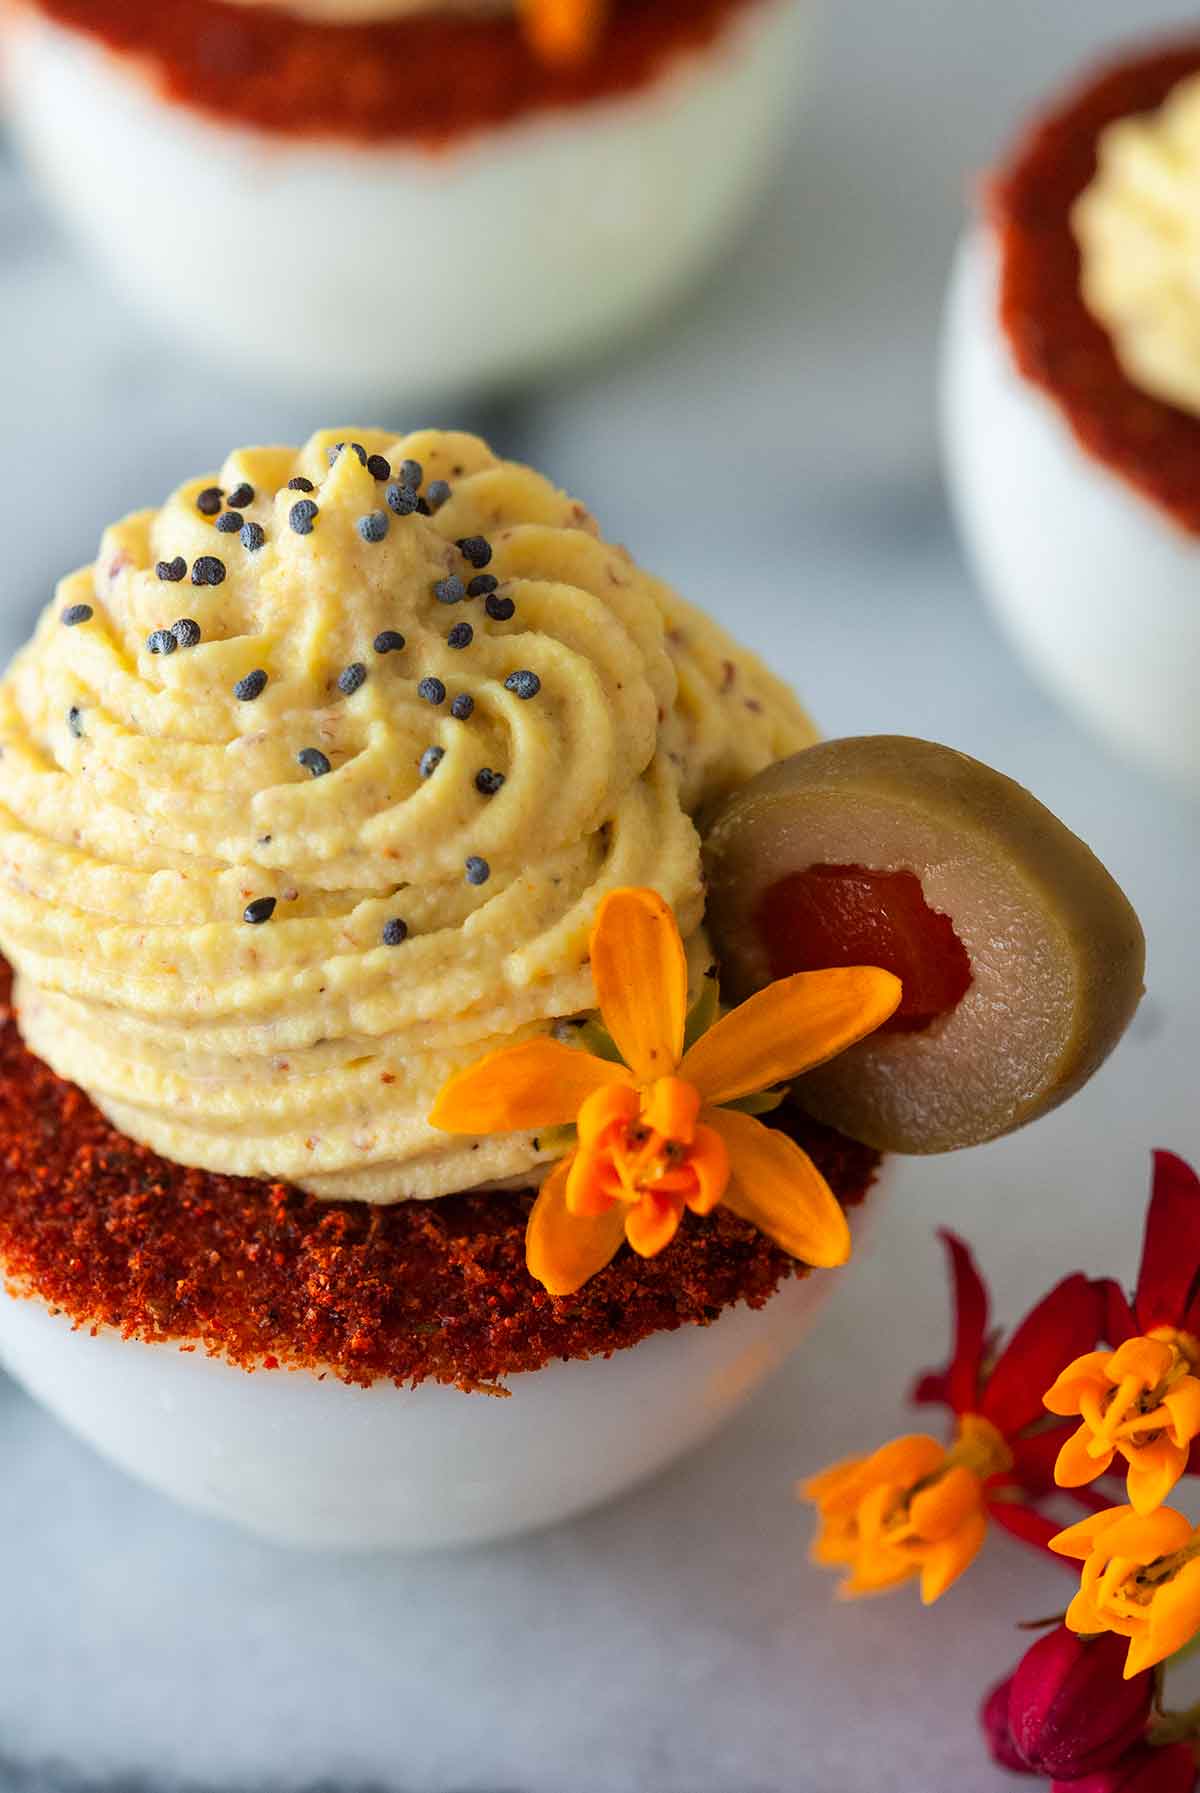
1132	1413
652	1154
648	1145
981	1447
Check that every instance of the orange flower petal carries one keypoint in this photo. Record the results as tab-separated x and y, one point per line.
1087	1373
938	1511
709	1160
1146	1359
590	1180
540	1083
651	1224
946	1562
1122	1532
614	1103
1183	1405
1174	1616
640	976
1075	1465
563	1250
790	1027
672	1108
1079	1540
1154	1470
778	1188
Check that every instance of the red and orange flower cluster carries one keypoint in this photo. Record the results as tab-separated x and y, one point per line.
1088	1386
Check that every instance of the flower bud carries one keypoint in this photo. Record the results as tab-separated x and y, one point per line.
993	1720
1144	1770
1070	1710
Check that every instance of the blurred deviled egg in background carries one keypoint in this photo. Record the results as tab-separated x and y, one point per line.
367	195
1072	400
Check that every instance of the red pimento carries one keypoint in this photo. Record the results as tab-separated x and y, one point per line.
425	81
830	915
1056	342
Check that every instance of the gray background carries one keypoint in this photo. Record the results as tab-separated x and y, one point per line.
773	451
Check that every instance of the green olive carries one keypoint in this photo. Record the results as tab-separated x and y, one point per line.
1021	958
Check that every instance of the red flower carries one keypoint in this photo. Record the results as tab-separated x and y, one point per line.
1171	1769
1168	1284
993	1720
1071	1712
1006	1386
1166	1301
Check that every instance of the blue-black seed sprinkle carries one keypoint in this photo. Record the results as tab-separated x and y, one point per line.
475	548
478	870
482	585
208	570
352	678
209	501
432	690
314	761
395	932
450	591
499	609
412	472
231	523
186	632
75	721
172	571
437	492
401	499
252	686
161	641
430	760
356	447
523	684
300	484
388	641
74	614
379	467
463	706
461	635
240	497
302	514
253	537
260	910
487	782
374	527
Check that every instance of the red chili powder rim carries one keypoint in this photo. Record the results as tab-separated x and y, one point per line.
114	1236
1055	340
425	81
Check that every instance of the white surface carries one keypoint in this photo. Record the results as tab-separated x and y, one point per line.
775	452
1098	590
350	267
305	1460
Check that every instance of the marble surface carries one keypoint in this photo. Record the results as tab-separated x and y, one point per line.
773	451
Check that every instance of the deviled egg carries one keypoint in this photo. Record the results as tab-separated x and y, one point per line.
399	195
1072	400
412	1131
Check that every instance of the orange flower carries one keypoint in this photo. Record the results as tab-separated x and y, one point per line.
563	31
1141	1401
1141	1579
913	1508
654	1134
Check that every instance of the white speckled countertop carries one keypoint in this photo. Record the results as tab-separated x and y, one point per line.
773	452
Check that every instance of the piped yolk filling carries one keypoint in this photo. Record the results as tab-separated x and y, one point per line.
836	915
